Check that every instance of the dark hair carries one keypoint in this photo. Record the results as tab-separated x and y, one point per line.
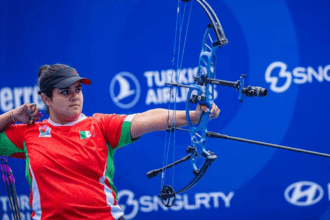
49	69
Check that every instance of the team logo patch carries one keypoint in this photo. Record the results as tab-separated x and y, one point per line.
84	134
45	131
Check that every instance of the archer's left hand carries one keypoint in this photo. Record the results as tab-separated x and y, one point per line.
213	113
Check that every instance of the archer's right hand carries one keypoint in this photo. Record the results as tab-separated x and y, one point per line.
27	113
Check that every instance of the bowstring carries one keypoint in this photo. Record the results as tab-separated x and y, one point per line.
177	76
168	136
177	38
178	71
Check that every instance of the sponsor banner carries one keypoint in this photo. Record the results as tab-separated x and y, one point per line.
306	193
125	90
146	204
24	207
11	98
277	72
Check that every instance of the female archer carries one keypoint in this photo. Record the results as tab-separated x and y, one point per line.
69	156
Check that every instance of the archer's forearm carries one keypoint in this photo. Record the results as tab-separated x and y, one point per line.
5	121
158	120
180	119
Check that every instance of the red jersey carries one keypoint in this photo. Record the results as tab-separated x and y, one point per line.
70	167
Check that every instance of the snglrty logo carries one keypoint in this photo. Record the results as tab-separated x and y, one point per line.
125	90
303	193
274	80
280	78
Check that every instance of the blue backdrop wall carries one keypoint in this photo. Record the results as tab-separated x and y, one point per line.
281	45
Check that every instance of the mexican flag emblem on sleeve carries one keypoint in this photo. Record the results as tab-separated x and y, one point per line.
85	134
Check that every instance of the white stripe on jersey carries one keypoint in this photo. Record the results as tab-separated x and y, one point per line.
116	211
36	206
129	117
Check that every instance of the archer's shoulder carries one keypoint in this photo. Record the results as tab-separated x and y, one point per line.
102	115
20	128
108	118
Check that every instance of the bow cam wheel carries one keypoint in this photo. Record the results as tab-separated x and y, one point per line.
167	196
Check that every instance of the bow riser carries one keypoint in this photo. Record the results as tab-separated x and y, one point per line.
205	95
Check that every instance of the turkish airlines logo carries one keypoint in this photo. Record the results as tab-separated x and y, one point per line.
125	90
303	193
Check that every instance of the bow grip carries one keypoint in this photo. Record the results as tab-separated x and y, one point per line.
197	101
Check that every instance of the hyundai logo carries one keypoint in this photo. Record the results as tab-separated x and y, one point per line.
303	193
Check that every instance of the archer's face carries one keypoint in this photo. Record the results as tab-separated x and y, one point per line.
67	103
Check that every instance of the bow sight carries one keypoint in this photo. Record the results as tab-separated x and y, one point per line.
250	91
202	92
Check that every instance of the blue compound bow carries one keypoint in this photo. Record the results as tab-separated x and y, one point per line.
202	92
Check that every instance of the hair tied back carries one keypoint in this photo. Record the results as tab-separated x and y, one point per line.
42	70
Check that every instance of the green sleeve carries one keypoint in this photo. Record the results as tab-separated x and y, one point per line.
125	136
7	148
